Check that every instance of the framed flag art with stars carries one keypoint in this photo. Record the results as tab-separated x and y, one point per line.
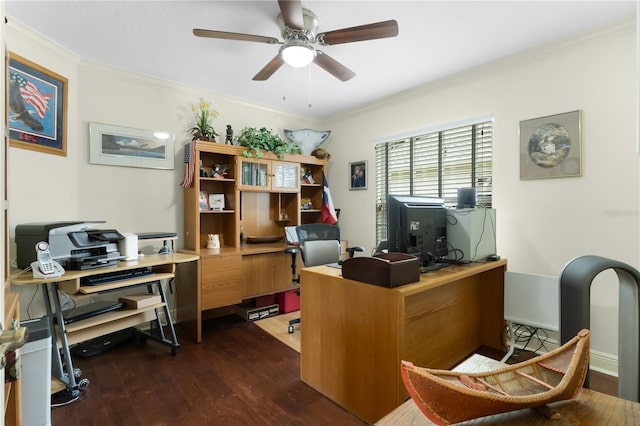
37	107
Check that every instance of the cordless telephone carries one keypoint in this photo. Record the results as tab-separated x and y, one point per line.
45	266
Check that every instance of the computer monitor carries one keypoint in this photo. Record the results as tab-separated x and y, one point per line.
417	225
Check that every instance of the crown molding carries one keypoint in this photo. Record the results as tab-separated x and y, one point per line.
517	60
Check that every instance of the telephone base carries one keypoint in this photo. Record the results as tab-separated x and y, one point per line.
37	273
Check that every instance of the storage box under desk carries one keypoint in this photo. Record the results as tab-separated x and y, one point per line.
288	301
251	313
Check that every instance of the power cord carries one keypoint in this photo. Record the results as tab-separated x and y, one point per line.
524	335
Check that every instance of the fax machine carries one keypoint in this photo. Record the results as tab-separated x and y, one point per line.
73	244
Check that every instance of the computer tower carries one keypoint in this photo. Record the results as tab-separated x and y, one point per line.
471	234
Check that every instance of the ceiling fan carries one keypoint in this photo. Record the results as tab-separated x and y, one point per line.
299	29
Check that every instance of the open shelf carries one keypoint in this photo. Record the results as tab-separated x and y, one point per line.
125	283
106	323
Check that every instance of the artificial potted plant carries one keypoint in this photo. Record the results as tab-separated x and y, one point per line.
203	128
263	139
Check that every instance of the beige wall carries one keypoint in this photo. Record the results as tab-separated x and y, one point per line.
47	187
542	224
129	199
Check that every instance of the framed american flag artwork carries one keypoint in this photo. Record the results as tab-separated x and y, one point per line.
37	101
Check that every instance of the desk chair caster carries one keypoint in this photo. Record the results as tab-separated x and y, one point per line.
82	383
76	372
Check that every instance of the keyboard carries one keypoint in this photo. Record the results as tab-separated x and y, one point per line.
433	267
115	276
88	311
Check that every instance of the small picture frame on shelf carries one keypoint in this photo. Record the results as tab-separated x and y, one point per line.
204	200
216	202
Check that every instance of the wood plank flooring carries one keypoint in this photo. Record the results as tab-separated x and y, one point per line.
278	327
238	375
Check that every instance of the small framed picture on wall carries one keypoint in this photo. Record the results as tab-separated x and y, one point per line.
358	175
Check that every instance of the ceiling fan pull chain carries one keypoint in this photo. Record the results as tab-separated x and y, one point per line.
284	89
308	87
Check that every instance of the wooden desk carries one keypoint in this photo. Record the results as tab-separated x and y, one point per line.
590	408
354	334
227	276
163	266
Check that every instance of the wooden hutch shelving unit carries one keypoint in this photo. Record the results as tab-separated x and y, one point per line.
261	197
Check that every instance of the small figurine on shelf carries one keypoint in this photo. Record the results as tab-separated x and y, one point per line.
213	241
219	170
306	204
241	235
229	136
307	178
203	172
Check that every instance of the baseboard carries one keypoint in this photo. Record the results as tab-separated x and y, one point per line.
600	361
604	363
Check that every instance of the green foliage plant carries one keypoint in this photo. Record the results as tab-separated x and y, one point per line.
203	115
263	139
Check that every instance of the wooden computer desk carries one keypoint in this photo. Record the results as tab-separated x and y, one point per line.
164	268
354	335
590	408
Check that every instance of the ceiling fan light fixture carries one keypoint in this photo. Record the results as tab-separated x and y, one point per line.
297	55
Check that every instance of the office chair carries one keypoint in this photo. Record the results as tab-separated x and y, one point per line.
319	244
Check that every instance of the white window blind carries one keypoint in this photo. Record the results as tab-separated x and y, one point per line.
435	164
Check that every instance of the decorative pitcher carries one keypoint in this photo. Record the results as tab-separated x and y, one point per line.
213	242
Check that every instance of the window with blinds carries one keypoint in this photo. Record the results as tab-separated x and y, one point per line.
436	165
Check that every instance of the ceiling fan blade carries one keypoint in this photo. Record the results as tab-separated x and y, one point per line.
333	67
360	33
234	36
292	13
268	70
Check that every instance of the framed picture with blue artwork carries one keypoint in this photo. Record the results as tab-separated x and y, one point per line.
37	107
358	175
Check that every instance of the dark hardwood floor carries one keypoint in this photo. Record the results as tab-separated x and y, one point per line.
238	375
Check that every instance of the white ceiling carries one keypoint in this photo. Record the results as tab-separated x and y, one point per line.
436	39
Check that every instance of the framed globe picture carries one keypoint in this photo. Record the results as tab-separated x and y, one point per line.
551	146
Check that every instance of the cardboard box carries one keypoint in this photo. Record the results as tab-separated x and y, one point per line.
288	301
251	313
139	301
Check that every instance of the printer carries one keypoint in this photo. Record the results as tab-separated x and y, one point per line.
73	244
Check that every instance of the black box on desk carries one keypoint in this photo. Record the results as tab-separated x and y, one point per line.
250	313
